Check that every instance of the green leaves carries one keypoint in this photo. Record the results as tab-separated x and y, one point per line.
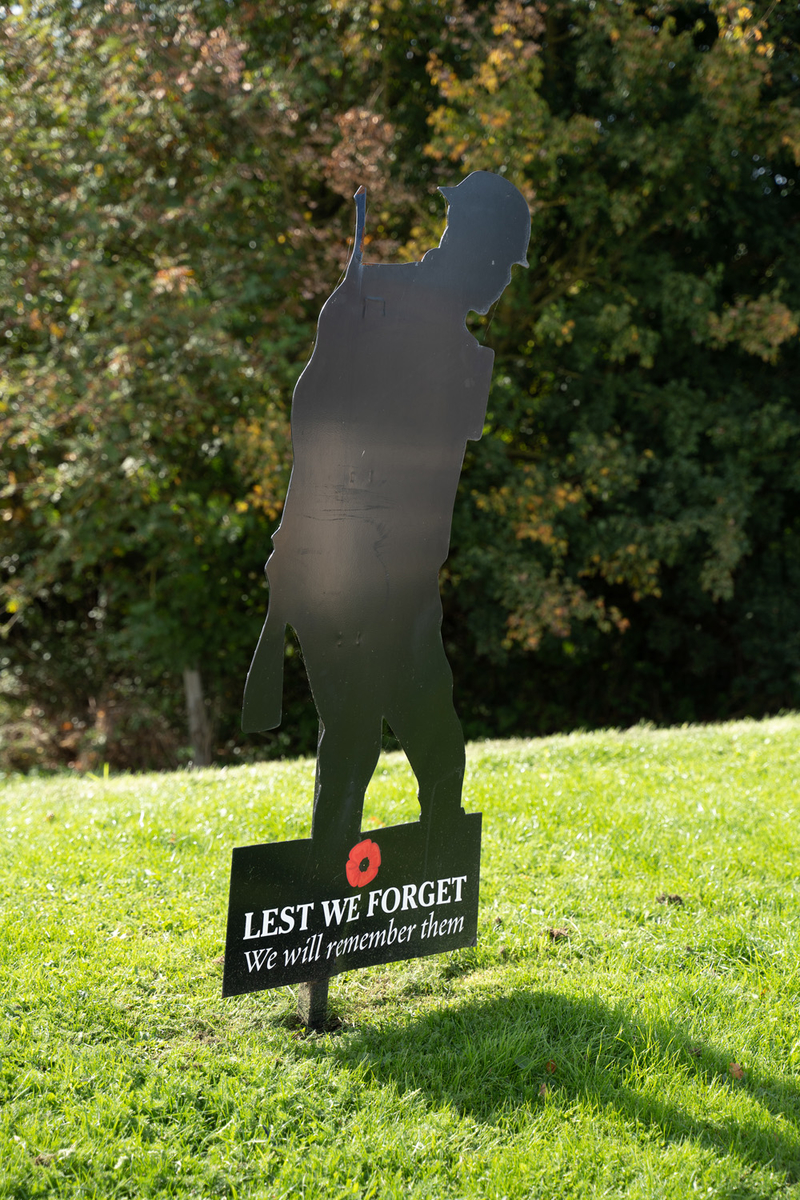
175	206
659	317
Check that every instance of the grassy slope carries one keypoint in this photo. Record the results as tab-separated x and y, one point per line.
593	1065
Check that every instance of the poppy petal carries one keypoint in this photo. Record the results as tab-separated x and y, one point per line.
366	851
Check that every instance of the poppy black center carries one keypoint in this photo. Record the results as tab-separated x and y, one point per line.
364	864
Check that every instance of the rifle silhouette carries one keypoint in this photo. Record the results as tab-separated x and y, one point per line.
262	706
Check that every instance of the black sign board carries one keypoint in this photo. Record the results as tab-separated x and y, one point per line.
296	916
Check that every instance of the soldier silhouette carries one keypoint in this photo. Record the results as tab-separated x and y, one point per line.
395	387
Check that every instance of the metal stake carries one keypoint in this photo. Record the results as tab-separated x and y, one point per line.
312	1004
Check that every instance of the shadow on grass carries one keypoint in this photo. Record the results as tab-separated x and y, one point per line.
491	1059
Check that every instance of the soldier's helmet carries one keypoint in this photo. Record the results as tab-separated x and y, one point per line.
486	209
488	230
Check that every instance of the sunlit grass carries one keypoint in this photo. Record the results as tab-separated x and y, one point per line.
584	1048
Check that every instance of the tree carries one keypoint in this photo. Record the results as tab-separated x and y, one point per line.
176	199
639	475
175	202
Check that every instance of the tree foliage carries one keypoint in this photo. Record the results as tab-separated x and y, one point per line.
640	478
175	204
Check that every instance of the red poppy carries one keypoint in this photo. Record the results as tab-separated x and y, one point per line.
363	863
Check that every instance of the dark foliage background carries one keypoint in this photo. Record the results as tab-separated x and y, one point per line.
175	205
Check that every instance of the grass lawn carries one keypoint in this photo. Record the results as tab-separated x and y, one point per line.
599	1041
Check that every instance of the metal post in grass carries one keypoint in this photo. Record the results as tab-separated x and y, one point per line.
312	1004
381	416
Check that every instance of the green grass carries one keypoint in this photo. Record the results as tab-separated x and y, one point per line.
587	1065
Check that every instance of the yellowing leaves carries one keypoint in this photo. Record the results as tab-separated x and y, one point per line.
179	279
759	326
480	103
261	448
535	526
364	155
548	604
630	565
739	29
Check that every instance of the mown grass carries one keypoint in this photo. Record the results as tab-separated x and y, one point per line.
583	1049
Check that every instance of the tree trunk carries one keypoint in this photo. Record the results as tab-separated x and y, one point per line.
199	726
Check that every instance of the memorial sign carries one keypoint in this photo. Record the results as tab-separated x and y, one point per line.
299	916
381	415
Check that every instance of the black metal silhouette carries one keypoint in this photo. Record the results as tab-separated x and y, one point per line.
395	387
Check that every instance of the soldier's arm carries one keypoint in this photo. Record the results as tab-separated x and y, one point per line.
477	378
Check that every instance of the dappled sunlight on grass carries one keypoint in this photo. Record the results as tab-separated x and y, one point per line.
627	1024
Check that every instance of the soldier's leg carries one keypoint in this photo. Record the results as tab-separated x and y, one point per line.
350	736
419	707
347	755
